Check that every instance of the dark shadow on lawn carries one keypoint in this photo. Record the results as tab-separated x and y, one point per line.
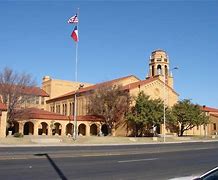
61	175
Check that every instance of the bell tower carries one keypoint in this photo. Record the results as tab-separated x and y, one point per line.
159	67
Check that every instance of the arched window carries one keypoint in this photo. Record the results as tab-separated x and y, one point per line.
166	70
159	69
152	71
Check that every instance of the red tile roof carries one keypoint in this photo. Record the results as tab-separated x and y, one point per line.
139	83
209	109
34	113
35	91
89	88
214	115
3	107
26	90
143	82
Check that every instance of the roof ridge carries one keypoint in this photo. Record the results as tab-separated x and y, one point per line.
145	81
93	86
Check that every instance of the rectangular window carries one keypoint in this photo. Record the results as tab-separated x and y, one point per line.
37	99
65	112
73	108
63	108
42	100
214	126
52	108
58	107
70	112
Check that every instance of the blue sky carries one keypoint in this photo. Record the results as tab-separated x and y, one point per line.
116	39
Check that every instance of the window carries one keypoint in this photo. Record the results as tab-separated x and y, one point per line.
37	99
70	112
63	108
58	108
152	71
52	108
73	108
166	70
159	70
42	100
214	126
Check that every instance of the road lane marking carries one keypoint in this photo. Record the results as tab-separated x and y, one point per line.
137	160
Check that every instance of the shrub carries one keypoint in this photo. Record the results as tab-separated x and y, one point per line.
18	135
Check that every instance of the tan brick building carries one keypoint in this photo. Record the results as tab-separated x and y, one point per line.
3	114
52	110
209	129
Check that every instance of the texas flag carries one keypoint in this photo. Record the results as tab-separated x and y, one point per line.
74	34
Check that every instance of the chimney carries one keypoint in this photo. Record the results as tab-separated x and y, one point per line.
46	78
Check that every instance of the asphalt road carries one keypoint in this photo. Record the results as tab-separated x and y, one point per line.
156	161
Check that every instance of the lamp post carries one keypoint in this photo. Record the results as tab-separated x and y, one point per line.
164	115
75	112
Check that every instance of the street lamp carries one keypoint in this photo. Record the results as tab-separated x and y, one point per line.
75	112
164	128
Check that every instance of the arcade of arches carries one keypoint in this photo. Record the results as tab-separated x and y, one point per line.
62	128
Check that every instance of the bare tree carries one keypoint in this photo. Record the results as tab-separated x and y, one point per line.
15	89
110	102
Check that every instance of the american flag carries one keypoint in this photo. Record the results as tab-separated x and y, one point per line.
73	19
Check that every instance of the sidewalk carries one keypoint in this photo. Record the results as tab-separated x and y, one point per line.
11	141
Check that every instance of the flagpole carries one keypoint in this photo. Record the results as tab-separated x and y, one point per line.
77	47
76	79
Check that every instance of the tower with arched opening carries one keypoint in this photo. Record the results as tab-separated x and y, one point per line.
159	66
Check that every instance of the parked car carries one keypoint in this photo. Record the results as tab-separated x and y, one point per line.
210	175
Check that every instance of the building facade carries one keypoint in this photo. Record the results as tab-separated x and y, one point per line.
52	110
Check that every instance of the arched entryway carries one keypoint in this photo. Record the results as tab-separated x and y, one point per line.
69	129
43	129
93	130
158	129
15	128
57	129
104	129
82	129
28	128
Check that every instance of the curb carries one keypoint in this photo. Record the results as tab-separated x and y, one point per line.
106	144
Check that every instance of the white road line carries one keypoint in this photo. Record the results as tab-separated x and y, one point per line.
137	160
